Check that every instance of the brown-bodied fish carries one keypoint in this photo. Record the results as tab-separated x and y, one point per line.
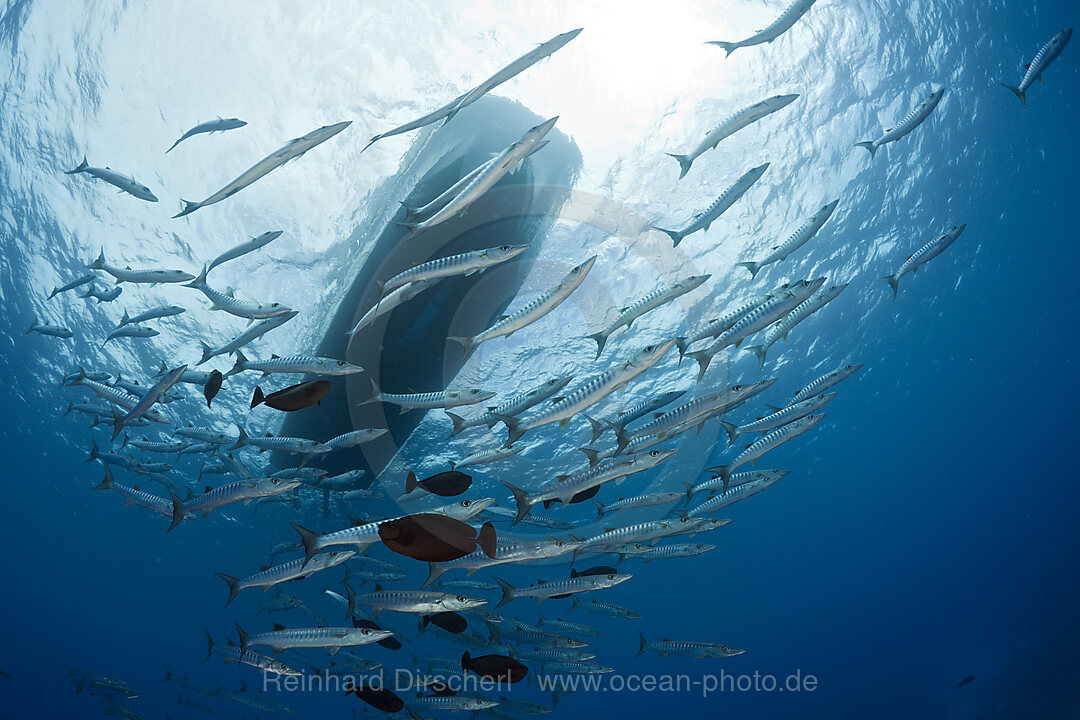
448	621
436	538
296	397
445	484
499	668
212	386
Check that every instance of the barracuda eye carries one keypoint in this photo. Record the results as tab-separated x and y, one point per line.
474	392
612	577
462	598
650	348
466	503
341	363
654	453
505	248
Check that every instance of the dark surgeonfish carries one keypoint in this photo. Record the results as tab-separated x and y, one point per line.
448	621
436	538
296	397
445	484
213	385
499	668
377	697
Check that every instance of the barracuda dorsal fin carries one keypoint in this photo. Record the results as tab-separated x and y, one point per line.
278	626
274	356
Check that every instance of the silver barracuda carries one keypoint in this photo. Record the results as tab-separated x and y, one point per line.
119	397
144	276
71	285
729	197
411	601
825	382
543	590
469	263
733	494
394	299
427	401
505	552
305	364
49	330
796	240
102	295
354	438
486	456
657	298
803	310
775	29
668	552
770	441
227	301
244	248
927	252
638	501
512	406
1034	70
153	314
912	120
253	333
333	638
600	608
148	399
300	446
687	649
241	491
292	149
210	126
126	183
292	570
779	417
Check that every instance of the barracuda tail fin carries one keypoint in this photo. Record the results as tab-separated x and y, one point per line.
234	586
732	431
600	509
515	430
675	235
601	340
188	208
124	320
241	440
623	438
434	572
598	427
1018	92
33	324
507	592
729	47
760	351
93	452
177	510
703	359
238	366
459	423
869	145
209	645
685	161
593	455
243	639
521	498
753	267
107	483
642	644
723	472
690	489
78	168
467	344
200	282
207	353
894	282
310	541
375	391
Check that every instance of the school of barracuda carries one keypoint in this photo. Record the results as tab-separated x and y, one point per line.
464	601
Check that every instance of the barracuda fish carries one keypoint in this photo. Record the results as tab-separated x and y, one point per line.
363	535
292	149
148	400
772	440
118	397
599	608
513	406
102	295
210	126
520	707
590	393
50	330
912	120
306	364
144	276
204	435
731	125
241	491
131	331
453	703
199	448
776	307
639	532
504	553
427	401
706	406
507	161
425	602
803	310
247	657
559	588
524	634
469	263
667	552
244	248
486	456
77	282
253	333
638	501
657	298
570	627
500	513
398	297
354	438
565	487
301	473
531	311
345	480
733	494
191	377
333	638
1034	69
927	252
780	416
152	446
292	570
227	301
89	374
99	411
639	410
796	240
774	30
583	668
687	649
126	183
462	584
125	461
153	314
825	382
296	446
134	496
705	218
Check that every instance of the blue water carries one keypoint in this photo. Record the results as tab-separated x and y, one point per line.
926	532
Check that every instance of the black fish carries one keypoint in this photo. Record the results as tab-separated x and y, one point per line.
965	681
448	621
499	668
579	497
296	397
598	570
213	385
389	643
445	484
437	688
435	538
376	697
